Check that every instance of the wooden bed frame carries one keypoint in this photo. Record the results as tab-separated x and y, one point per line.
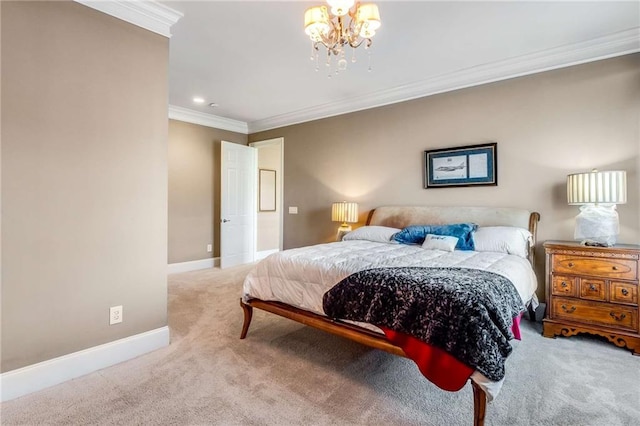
399	217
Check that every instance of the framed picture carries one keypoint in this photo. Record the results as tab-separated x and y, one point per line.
267	190
472	165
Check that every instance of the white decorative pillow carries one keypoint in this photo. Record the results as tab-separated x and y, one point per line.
502	239
440	242
378	234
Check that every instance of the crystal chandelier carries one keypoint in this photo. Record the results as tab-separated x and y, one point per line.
332	31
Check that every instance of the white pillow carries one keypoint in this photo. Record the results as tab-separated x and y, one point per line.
440	242
502	239
378	234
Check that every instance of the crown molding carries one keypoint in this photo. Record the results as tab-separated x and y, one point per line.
209	120
147	14
617	44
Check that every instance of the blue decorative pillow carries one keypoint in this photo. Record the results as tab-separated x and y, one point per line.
415	234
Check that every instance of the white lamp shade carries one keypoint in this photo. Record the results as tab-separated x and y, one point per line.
369	17
340	7
316	22
608	187
344	212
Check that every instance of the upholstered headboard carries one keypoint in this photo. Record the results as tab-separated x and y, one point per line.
401	216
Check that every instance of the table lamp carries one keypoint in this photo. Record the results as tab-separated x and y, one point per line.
346	213
597	193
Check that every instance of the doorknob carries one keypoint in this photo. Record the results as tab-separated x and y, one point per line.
225	220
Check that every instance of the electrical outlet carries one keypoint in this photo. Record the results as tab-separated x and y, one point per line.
115	315
209	248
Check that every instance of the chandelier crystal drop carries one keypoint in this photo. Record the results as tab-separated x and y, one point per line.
331	30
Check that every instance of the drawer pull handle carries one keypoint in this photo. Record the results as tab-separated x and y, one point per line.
563	284
624	292
615	268
573	308
618	317
570	264
592	287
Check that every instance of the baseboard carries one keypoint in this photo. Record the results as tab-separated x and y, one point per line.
262	254
194	265
31	378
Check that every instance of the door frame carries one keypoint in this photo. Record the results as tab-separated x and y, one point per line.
268	142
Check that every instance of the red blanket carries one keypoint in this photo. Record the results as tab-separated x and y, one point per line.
442	369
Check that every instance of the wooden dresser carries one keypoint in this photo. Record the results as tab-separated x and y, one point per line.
593	290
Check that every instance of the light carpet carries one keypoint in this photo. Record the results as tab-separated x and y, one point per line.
288	374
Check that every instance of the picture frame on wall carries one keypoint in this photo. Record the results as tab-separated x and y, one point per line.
471	165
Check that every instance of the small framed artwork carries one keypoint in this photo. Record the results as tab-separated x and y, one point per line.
472	165
267	187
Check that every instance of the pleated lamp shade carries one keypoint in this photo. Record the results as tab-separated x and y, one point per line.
596	187
344	212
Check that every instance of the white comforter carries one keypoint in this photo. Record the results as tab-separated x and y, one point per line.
300	277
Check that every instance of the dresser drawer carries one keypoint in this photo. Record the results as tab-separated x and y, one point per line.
621	292
593	289
593	266
607	314
562	285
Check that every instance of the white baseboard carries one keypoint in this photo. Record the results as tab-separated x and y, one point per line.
194	265
262	254
31	378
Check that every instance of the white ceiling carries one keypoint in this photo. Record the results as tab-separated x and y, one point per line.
253	58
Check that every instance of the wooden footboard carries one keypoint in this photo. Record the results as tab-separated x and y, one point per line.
351	332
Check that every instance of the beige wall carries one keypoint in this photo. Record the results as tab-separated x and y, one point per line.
546	125
194	189
268	223
84	179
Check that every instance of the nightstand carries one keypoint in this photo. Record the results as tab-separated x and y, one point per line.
593	290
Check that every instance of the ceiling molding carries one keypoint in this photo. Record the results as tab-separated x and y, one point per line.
209	120
617	44
147	14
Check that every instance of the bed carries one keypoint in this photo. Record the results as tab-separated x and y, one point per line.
295	283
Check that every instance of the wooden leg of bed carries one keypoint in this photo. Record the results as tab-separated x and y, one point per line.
479	404
532	313
248	313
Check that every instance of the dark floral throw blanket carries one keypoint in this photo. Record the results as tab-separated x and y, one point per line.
466	312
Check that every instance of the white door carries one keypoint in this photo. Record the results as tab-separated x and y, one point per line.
237	204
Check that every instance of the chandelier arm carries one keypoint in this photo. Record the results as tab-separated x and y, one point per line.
333	37
356	27
356	43
322	43
342	32
327	42
351	38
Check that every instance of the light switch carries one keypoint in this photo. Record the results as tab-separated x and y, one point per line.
293	210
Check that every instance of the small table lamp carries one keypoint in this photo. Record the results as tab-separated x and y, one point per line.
597	193
346	213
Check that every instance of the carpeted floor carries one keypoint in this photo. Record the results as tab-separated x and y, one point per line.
288	374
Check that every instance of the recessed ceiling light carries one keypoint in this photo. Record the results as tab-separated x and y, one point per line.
213	105
198	100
